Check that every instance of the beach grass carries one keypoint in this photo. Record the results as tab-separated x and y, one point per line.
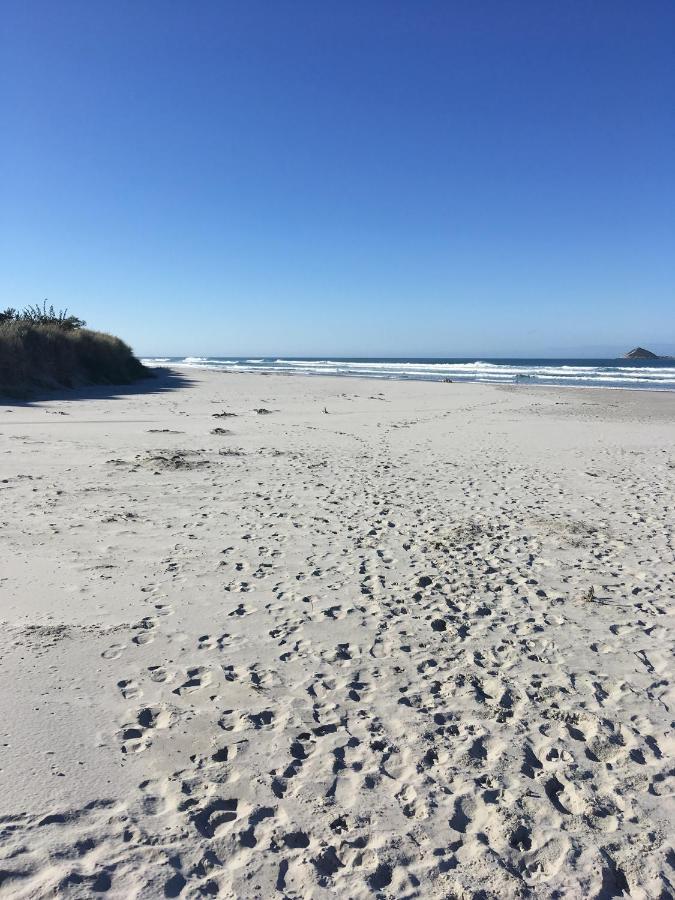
57	351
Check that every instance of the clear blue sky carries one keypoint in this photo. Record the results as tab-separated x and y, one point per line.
343	178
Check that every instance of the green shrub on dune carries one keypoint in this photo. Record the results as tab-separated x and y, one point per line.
40	348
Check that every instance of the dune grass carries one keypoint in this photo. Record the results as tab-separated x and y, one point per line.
44	349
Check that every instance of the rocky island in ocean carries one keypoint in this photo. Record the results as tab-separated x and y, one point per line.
641	353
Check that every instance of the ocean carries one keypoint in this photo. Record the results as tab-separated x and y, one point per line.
653	375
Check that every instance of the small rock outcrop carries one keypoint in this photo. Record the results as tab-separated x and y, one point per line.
640	353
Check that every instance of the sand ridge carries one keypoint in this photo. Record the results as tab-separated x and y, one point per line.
381	640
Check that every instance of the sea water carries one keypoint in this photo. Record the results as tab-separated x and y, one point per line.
649	374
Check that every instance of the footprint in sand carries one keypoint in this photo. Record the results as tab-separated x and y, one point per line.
145	637
233	720
129	689
198	677
160	674
164	609
214	817
137	736
155	796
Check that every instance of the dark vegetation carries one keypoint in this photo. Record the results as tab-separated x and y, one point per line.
43	348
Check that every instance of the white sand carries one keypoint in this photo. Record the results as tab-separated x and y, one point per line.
357	658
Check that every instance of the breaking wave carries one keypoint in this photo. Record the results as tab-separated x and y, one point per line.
650	375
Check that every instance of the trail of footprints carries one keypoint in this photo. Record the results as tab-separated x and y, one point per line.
391	703
488	784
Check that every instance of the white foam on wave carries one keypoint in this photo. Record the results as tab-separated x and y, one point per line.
571	374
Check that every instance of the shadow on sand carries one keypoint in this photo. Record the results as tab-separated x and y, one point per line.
160	382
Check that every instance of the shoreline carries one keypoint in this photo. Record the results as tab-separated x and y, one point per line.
394	378
149	386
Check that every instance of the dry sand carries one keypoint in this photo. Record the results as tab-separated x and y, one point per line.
416	646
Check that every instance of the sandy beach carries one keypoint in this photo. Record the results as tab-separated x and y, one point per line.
269	636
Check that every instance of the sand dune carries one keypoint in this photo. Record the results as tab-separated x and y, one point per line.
355	639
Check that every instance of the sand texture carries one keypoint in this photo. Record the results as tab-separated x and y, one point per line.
417	645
